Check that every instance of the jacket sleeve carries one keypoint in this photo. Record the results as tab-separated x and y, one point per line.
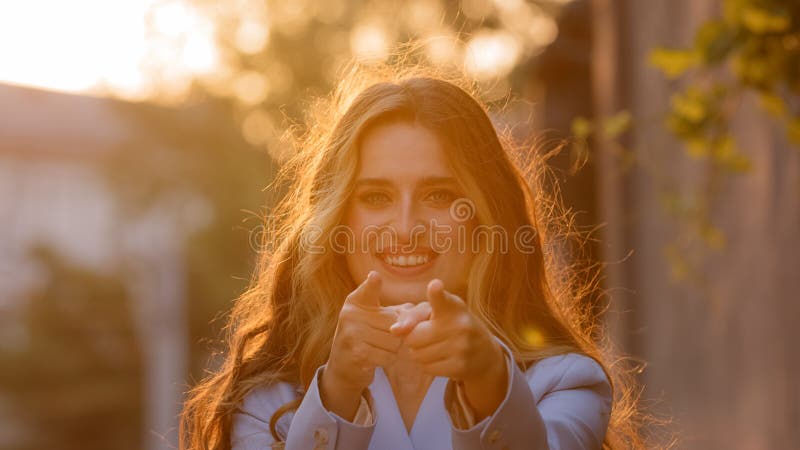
561	403
310	427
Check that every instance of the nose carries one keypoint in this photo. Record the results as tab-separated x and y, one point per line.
408	223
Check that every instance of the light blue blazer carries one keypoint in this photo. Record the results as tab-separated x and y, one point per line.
561	402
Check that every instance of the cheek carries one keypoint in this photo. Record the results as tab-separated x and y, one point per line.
461	250
358	252
453	238
357	221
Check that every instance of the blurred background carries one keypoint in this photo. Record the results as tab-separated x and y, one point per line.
137	137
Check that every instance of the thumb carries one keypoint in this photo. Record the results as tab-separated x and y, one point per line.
442	302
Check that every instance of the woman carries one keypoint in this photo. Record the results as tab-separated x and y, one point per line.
408	301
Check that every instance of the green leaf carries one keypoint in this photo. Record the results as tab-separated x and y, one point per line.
697	147
673	62
727	155
751	69
690	106
617	124
714	40
760	20
581	127
773	104
713	236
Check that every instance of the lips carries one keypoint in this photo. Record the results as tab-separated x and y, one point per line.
399	259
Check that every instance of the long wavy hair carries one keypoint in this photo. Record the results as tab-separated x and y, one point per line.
281	328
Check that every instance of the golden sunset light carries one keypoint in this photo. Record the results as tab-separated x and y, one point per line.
129	49
405	224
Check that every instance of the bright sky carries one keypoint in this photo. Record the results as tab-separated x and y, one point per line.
79	45
138	49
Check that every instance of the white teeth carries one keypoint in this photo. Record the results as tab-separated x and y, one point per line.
406	261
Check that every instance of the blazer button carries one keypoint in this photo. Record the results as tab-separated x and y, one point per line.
494	436
321	436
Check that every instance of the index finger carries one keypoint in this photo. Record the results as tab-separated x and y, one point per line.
367	294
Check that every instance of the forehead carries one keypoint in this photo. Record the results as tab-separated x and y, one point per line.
402	150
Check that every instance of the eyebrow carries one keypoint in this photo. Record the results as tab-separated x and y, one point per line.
426	181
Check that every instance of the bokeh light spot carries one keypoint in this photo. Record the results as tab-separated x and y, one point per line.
533	336
369	42
491	54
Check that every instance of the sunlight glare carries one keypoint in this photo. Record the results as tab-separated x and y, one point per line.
252	36
251	87
491	54
96	46
60	45
369	42
442	49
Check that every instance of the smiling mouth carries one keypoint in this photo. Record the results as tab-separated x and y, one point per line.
416	258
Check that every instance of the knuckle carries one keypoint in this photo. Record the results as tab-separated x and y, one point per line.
464	322
343	341
358	353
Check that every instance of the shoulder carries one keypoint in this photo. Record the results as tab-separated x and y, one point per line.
250	422
265	399
567	371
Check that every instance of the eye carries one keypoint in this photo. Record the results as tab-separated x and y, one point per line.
374	198
441	196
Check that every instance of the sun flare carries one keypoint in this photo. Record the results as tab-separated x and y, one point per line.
100	47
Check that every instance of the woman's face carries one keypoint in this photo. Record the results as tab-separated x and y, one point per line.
400	217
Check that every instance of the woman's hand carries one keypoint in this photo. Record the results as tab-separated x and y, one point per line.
362	340
361	343
455	344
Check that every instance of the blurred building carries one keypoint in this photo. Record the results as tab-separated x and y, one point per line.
57	192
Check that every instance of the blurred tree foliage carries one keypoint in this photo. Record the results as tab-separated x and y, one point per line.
277	54
77	381
754	47
756	44
199	150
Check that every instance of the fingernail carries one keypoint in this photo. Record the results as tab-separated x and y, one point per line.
399	325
